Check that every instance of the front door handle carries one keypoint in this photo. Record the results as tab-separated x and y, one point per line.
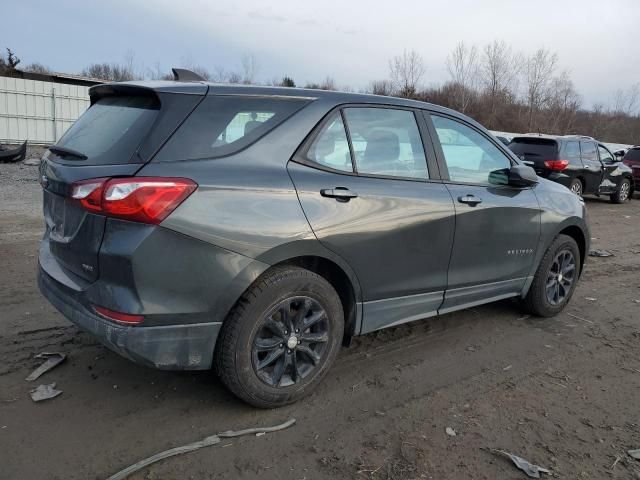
470	200
341	194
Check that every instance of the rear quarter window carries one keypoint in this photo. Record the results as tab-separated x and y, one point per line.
222	125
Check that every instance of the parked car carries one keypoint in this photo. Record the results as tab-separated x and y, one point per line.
632	160
579	163
257	229
503	139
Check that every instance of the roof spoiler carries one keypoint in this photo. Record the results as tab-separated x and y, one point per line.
184	75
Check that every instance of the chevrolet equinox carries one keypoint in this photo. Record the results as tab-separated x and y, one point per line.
255	230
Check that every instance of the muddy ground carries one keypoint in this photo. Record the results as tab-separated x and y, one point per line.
564	392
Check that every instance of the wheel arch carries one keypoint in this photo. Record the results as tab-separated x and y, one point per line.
312	255
340	281
575	232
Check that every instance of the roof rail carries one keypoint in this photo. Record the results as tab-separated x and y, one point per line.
184	75
587	137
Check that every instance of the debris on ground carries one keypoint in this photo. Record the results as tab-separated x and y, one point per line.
450	431
13	154
634	453
205	442
532	471
591	299
53	359
34	162
44	392
600	253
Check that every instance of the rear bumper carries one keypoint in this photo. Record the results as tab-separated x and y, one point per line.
167	347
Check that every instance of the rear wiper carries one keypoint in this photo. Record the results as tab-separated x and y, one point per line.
67	151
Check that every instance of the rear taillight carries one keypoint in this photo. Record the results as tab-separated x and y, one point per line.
139	199
556	165
119	317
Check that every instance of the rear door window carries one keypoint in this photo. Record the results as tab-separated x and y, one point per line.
572	153
589	151
109	132
386	142
222	125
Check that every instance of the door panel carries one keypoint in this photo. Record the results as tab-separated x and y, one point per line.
593	171
495	243
396	234
497	226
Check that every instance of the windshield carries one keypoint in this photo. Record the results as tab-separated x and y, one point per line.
110	130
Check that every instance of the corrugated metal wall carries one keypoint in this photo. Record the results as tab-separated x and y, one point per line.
38	111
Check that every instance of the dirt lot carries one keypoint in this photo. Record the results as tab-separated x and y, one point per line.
563	393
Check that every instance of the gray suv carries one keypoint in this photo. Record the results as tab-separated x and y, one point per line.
255	230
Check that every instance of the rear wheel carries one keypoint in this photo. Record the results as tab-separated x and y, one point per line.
281	338
576	186
622	193
556	278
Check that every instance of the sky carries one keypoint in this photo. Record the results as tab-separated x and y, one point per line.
597	42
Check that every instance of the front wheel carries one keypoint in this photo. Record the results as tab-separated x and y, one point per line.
281	338
556	278
622	193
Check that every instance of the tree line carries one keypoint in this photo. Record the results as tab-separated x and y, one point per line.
499	87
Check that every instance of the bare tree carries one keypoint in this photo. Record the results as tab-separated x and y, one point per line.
538	72
234	77
499	68
108	71
463	67
381	87
250	69
327	84
564	103
12	59
626	101
37	68
406	71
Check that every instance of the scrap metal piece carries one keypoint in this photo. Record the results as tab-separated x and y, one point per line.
44	392
634	453
13	154
532	471
600	253
205	442
53	359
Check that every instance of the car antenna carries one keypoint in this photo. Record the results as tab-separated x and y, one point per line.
184	75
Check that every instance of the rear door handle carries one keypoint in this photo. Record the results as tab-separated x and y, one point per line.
341	194
470	200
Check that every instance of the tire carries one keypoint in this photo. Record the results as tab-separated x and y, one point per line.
576	186
623	192
537	300
256	322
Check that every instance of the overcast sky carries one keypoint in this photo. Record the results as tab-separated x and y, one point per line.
598	42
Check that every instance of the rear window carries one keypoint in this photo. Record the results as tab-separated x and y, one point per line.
633	155
111	129
222	125
534	148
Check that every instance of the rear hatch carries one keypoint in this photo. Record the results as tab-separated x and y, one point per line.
121	130
535	151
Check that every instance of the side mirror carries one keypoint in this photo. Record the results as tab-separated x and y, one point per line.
522	176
